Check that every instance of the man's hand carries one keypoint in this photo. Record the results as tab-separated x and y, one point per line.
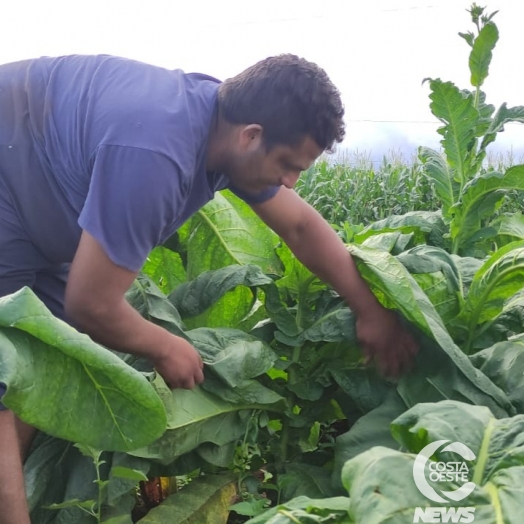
95	302
386	342
317	246
180	365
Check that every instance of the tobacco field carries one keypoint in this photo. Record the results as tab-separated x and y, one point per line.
290	425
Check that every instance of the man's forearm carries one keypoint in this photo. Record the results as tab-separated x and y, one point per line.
122	328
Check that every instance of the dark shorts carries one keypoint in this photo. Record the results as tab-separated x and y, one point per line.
21	264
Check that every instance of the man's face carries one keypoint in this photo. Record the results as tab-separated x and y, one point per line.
256	168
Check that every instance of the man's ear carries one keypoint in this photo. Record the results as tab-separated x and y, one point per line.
251	135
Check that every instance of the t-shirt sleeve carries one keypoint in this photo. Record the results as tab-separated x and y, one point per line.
134	197
257	198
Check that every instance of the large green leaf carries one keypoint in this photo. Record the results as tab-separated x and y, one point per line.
60	381
153	305
381	482
234	360
437	275
368	431
196	417
396	288
216	413
499	278
480	197
504	115
457	110
496	443
332	510
165	268
234	356
426	227
382	491
45	475
438	171
226	231
330	321
503	363
481	53
508	228
223	297
394	242
306	480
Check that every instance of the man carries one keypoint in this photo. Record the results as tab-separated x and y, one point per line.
103	158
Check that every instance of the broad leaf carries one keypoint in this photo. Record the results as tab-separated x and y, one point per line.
226	231
368	431
234	356
438	171
502	117
397	289
496	443
503	363
154	305
508	228
332	510
457	110
437	275
195	417
306	480
223	297
381	482
392	242
165	268
480	198
427	227
481	53
88	382
499	278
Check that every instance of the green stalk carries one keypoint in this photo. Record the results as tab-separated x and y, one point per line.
483	455
494	494
284	440
455	246
99	484
477	97
289	516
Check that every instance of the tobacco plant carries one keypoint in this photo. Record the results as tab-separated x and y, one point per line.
288	410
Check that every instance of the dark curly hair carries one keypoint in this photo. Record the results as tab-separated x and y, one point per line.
289	97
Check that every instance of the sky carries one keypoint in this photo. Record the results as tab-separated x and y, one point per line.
377	52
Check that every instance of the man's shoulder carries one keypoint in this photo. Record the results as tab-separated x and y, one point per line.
151	107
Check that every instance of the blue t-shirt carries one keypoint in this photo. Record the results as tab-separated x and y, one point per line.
106	144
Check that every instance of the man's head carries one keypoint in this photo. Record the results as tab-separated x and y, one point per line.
289	97
282	112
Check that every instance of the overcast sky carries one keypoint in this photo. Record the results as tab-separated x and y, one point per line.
376	51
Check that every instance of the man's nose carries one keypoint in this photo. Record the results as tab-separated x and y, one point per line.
290	180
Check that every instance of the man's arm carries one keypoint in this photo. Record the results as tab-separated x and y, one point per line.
95	303
318	247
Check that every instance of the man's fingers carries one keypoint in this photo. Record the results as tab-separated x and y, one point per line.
199	376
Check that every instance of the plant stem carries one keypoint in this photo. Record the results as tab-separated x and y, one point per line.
483	454
99	484
284	439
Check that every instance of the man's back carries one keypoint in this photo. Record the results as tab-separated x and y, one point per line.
79	124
